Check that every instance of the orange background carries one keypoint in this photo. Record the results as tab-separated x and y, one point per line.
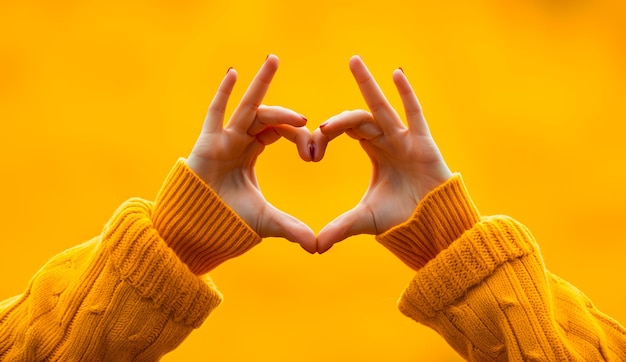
526	99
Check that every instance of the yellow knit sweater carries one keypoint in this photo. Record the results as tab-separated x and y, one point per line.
481	284
130	295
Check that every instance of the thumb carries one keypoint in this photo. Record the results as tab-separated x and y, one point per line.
281	224
353	222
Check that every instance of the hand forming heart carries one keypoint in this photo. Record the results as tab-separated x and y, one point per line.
406	161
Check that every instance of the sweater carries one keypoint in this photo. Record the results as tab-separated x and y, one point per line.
127	295
137	290
481	283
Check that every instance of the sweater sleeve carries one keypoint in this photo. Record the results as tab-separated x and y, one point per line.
126	294
482	285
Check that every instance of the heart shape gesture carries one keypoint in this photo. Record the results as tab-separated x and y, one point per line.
406	163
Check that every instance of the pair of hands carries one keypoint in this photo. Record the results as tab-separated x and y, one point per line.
406	163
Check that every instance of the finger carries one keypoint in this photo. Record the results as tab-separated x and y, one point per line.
384	113
215	115
412	108
273	115
244	114
353	222
358	124
298	135
286	226
319	142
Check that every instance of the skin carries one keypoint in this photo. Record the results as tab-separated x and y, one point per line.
406	162
224	156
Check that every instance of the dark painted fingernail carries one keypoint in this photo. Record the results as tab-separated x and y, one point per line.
312	151
402	70
229	69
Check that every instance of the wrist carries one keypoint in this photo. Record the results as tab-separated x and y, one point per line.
198	167
440	218
197	224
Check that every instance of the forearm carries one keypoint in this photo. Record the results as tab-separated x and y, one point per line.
129	293
122	294
490	296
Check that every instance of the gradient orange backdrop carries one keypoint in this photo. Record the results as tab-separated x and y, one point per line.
525	98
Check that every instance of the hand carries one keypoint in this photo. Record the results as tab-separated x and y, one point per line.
406	163
224	157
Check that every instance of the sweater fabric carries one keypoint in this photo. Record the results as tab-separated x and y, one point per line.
136	291
127	295
482	285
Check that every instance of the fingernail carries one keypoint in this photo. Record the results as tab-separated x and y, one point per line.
402	70
267	57
324	124
229	69
304	118
312	151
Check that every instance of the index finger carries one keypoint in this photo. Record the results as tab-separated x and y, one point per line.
387	118
298	135
215	115
244	114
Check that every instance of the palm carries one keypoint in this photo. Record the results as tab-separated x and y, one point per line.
224	156
406	163
381	197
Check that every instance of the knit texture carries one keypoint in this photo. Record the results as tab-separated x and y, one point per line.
486	290
126	295
202	230
439	219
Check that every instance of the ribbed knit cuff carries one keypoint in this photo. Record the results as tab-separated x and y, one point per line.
439	219
197	224
147	263
467	262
